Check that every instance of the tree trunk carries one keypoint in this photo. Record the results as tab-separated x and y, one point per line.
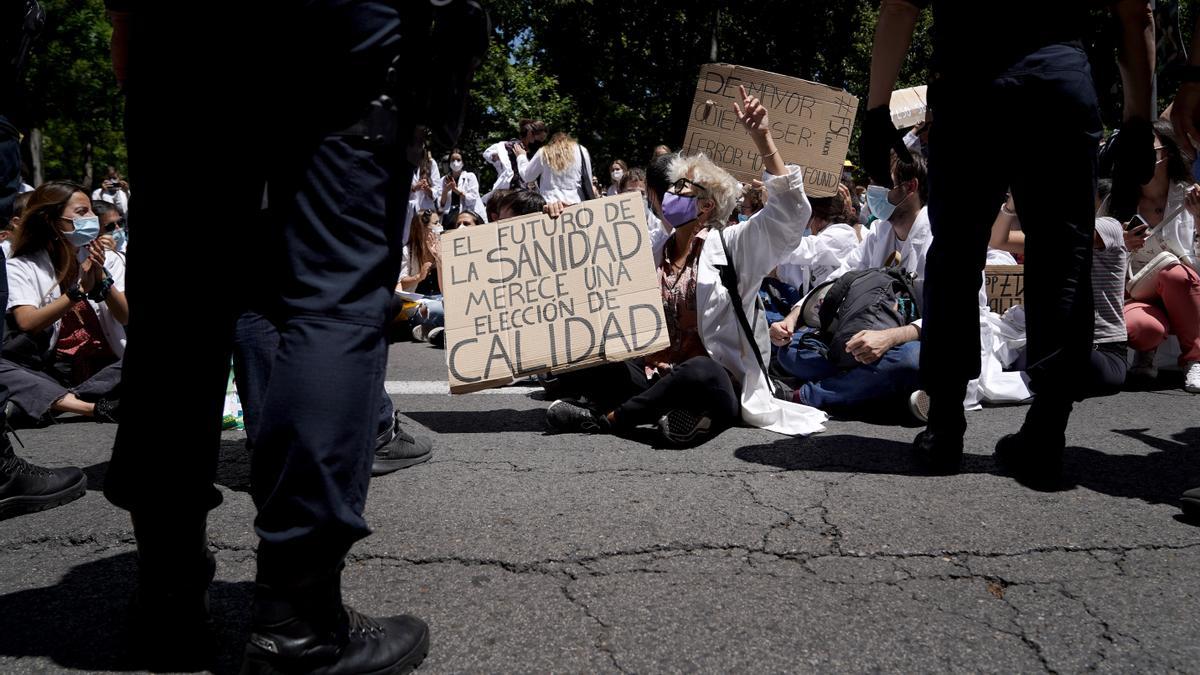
35	156
87	167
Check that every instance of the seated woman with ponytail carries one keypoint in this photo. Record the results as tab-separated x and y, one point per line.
66	311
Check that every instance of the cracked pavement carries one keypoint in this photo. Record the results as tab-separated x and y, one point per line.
535	553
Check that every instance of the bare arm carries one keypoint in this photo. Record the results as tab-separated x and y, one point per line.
893	34
1004	238
118	305
32	319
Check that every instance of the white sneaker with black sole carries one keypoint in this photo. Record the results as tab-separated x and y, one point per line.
684	427
918	405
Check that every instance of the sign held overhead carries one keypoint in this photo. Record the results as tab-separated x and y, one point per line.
811	124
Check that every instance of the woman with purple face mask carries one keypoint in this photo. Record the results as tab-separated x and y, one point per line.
708	377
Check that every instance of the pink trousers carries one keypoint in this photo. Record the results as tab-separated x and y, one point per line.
1177	310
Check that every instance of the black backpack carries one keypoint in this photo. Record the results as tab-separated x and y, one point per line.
875	299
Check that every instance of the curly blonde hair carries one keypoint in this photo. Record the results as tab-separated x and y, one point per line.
721	187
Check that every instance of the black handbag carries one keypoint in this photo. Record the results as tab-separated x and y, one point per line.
586	190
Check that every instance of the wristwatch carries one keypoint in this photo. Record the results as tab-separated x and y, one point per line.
100	291
75	293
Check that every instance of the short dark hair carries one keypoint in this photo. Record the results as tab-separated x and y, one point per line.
912	167
474	216
658	174
102	208
829	209
630	176
522	202
528	126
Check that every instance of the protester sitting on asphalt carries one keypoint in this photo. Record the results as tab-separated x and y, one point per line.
1109	359
713	370
420	271
465	219
1171	301
561	169
8	229
113	236
634	179
460	190
828	245
616	172
426	188
887	358
66	311
519	203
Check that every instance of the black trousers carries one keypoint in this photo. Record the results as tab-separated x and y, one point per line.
1045	109
1107	367
320	263
699	384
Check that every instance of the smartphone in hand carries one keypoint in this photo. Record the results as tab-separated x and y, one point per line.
1136	222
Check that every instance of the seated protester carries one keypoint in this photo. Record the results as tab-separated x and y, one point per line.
465	219
634	179
66	310
420	273
519	203
828	246
1168	299
9	230
492	204
460	190
113	236
1109	365
423	195
888	359
709	376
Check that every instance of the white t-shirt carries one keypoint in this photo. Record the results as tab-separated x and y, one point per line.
555	186
818	256
32	282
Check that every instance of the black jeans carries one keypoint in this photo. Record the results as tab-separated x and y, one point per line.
320	265
1107	368
1045	107
699	384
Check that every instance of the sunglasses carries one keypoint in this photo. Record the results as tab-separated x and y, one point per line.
120	222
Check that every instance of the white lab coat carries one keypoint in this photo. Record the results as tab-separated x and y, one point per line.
497	155
818	256
757	245
556	186
469	201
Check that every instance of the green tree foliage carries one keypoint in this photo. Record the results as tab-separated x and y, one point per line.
72	94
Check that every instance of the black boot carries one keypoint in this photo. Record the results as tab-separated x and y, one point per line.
939	448
1034	455
307	629
396	449
26	488
170	625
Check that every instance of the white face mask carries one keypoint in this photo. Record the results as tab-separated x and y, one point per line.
616	174
456	165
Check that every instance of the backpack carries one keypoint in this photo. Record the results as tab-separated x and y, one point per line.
875	299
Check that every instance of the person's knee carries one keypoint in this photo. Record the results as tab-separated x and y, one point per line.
1177	279
1145	333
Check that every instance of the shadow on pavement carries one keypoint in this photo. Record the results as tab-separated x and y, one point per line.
1159	477
475	422
80	622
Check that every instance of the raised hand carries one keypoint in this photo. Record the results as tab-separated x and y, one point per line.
752	114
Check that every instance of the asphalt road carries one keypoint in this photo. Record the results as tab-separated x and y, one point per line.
534	553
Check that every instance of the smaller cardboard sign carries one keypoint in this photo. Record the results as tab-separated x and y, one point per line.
1005	286
811	124
535	294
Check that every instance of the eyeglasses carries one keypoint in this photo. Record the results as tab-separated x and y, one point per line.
119	222
679	185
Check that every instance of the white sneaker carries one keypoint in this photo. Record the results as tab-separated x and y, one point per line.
1143	365
418	333
918	405
1191	380
437	337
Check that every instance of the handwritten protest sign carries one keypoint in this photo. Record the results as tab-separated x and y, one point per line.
811	124
1005	286
534	294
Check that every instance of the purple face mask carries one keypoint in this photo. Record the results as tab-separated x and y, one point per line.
678	209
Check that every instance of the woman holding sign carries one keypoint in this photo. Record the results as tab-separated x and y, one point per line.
712	372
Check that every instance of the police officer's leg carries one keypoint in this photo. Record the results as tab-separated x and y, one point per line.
1058	218
334	206
966	190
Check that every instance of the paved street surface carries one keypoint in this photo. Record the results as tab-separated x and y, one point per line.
535	553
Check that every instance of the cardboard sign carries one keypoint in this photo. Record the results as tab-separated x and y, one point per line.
535	294
811	124
1005	286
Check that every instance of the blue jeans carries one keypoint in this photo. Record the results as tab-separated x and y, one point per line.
832	389
431	313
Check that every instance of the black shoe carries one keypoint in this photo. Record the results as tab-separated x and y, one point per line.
107	411
283	641
437	337
684	427
396	449
1035	460
937	452
1190	501
565	416
170	625
27	488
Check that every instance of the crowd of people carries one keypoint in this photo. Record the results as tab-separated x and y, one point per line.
782	309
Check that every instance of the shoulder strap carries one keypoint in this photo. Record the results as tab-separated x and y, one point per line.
729	280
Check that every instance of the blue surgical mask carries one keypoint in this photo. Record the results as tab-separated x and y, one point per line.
679	209
86	230
877	201
121	237
743	217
